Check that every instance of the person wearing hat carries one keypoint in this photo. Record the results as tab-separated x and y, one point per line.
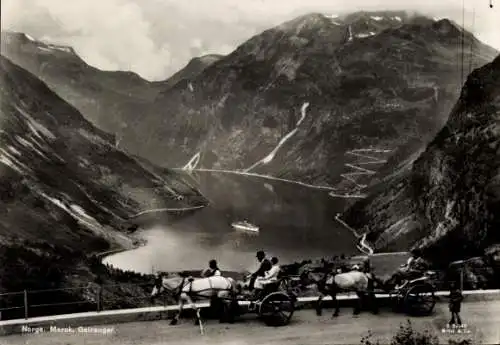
264	266
215	303
213	270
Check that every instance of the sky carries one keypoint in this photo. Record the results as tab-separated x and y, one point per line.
156	38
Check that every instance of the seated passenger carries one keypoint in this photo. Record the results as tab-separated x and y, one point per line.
409	270
264	266
212	271
270	276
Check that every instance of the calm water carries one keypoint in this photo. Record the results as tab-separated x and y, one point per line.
296	223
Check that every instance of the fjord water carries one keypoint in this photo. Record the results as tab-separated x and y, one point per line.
296	223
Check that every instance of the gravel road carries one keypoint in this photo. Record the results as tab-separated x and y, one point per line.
483	318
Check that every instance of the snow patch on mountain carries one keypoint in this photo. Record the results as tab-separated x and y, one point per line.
12	162
29	37
30	146
193	162
45	49
270	156
35	126
13	150
80	211
364	35
350	38
77	212
52	47
377	18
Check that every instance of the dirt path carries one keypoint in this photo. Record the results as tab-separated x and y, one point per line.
306	329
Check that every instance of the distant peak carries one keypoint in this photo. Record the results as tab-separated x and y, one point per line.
12	37
306	22
209	58
446	24
15	35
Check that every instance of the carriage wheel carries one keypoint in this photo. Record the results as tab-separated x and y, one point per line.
276	309
420	299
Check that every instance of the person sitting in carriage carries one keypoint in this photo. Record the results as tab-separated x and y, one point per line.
265	265
411	269
270	276
212	270
215	304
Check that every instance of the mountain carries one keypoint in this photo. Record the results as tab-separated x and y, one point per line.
191	70
446	201
293	100
111	100
66	192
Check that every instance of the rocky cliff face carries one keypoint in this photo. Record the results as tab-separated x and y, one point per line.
65	191
290	102
293	100
447	201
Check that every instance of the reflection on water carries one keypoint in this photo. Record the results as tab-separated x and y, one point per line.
295	223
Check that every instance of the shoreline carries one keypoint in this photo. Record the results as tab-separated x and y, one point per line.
136	243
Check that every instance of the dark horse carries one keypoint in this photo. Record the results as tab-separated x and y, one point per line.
331	283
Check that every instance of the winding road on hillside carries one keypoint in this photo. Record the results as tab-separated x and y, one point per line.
368	158
362	245
367	154
306	328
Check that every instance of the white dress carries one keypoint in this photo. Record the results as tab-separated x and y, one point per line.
270	277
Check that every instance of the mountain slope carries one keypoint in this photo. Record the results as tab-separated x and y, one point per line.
65	191
292	100
446	202
110	100
191	70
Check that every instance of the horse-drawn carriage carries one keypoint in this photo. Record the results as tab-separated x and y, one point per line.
414	297
275	304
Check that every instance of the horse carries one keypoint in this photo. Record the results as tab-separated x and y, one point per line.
186	289
331	283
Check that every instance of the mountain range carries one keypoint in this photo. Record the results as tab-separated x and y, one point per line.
66	192
445	200
289	102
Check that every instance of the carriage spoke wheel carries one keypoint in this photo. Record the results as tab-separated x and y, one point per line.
420	300
276	309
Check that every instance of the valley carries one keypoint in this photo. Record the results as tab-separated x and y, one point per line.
334	134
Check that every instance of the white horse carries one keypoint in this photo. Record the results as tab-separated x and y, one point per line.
186	289
330	283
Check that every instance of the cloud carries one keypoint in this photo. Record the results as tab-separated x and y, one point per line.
155	38
110	34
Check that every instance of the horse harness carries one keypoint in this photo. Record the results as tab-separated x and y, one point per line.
178	291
